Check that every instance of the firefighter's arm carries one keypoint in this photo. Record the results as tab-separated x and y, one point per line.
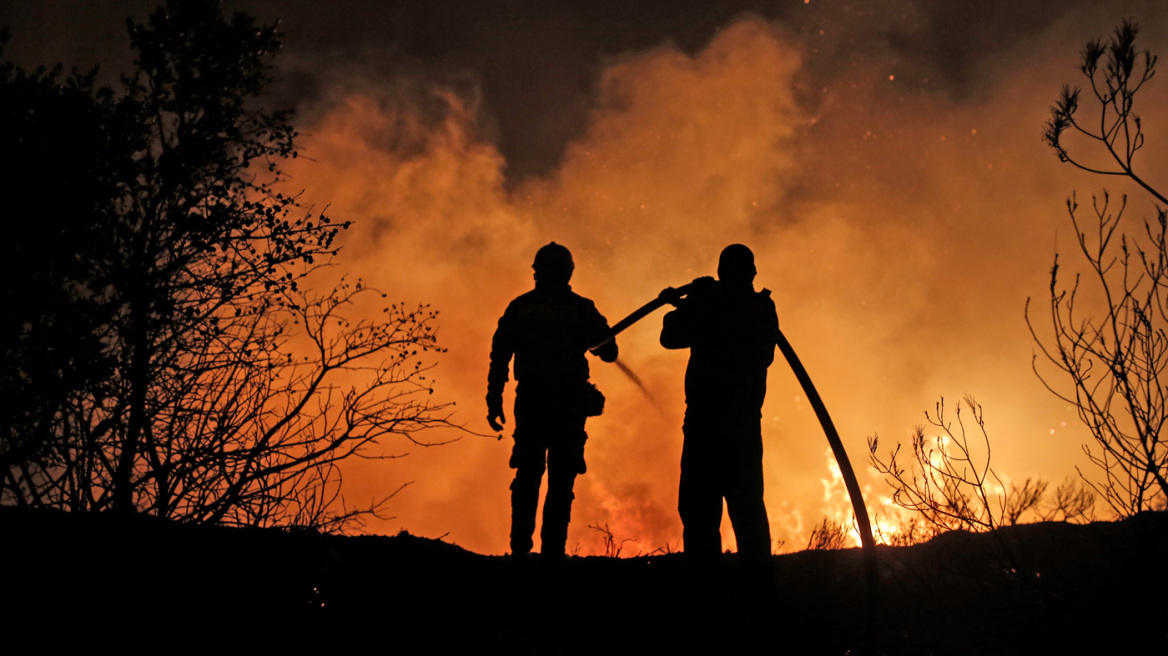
501	353
495	416
679	326
599	329
675	330
608	351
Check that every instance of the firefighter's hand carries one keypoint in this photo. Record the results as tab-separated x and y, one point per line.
670	295
496	419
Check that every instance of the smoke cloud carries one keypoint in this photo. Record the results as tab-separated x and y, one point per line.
901	230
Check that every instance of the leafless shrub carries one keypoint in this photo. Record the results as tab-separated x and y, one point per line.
829	535
612	547
1073	501
948	485
903	530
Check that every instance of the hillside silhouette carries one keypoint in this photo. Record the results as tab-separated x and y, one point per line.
1037	588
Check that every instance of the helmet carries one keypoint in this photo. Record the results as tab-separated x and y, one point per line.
553	256
553	265
736	263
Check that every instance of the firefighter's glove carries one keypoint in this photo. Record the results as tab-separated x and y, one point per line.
671	296
495	415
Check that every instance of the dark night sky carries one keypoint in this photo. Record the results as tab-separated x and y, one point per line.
536	62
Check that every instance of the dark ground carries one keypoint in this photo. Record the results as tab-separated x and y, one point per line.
1034	589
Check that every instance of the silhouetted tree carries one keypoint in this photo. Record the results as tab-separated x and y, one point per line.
60	150
157	340
1113	354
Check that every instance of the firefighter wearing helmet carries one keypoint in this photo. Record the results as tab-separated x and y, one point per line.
547	332
730	331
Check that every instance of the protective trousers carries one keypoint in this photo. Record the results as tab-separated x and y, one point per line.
719	461
548	435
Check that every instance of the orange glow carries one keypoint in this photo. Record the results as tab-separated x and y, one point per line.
899	265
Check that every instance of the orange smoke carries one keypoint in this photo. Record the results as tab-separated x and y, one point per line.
900	232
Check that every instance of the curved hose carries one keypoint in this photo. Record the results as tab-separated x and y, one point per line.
841	456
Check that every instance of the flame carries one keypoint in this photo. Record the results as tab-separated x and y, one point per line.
899	264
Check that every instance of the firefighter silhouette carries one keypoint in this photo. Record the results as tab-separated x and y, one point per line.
547	331
730	330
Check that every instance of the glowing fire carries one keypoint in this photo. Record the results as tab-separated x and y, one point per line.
899	265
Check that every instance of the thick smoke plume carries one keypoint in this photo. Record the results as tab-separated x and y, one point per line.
899	230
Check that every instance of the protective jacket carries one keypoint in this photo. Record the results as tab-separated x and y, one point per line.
547	331
731	334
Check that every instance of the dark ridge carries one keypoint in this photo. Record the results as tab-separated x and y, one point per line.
139	582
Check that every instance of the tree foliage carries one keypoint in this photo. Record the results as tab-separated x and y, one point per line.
55	301
173	361
1114	353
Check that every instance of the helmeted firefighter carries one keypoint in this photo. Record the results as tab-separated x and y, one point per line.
547	331
730	330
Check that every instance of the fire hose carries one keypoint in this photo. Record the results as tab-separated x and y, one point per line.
837	447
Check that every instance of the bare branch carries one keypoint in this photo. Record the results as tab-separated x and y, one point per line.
948	485
1113	357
